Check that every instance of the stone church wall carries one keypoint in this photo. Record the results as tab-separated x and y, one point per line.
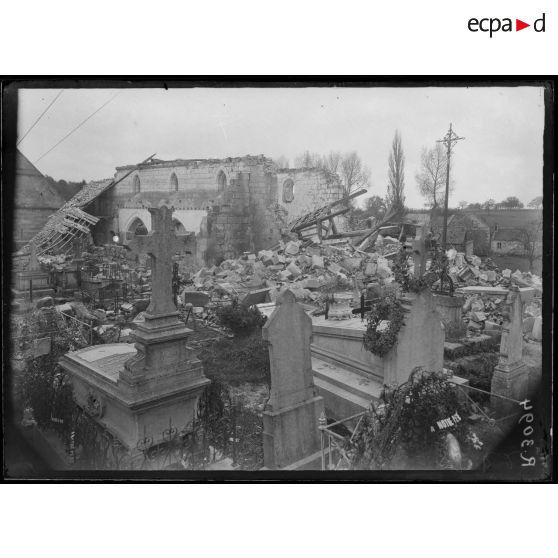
233	205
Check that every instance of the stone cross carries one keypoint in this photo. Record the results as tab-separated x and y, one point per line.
161	244
419	253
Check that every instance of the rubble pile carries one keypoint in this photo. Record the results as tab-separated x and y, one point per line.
472	271
305	269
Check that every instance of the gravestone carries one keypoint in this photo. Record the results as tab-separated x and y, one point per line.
511	374
143	389
291	415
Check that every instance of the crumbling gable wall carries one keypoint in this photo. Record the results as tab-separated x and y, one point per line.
311	187
35	200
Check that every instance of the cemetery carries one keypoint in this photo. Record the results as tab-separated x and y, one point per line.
310	355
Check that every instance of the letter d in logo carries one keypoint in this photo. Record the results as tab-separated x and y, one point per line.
538	26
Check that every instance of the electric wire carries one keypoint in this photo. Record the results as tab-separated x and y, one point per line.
76	128
42	114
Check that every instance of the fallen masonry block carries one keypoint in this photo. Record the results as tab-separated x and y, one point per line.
292	248
351	264
256	297
334	268
311	283
317	262
478	316
371	269
294	269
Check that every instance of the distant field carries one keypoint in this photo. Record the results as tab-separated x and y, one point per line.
517	262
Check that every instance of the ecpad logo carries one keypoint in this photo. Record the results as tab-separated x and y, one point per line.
493	25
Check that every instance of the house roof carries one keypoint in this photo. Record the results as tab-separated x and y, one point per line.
32	188
507	235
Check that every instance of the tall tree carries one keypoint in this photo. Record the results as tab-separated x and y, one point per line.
431	180
396	174
354	174
332	162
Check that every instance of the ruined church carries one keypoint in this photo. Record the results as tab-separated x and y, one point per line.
228	205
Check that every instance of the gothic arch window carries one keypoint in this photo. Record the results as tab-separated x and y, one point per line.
288	191
137	184
137	226
174	182
178	227
221	182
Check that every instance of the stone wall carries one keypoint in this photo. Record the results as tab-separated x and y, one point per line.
35	200
311	188
233	205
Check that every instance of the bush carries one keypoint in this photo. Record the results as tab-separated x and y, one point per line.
237	360
242	321
455	330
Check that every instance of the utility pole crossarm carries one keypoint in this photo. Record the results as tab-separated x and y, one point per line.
449	140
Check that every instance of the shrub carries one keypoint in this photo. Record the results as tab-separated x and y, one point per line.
237	360
455	330
242	321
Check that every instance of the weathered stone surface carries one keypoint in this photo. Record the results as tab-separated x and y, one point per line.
294	407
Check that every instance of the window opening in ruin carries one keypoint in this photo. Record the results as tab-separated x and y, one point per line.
499	245
288	191
136	227
178	227
174	182
495	226
221	182
137	184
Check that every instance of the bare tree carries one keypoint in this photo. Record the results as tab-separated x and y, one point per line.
308	160
354	174
431	180
396	174
282	162
463	204
332	162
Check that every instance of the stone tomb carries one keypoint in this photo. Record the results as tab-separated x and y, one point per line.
139	392
290	418
349	376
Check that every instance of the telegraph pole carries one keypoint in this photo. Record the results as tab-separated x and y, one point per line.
450	139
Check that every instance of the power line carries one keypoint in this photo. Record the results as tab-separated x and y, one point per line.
77	127
42	114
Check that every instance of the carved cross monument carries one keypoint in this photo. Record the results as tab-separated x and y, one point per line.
161	244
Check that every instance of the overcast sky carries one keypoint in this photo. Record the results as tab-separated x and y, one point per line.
500	157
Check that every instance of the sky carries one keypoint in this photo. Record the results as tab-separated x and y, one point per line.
501	155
